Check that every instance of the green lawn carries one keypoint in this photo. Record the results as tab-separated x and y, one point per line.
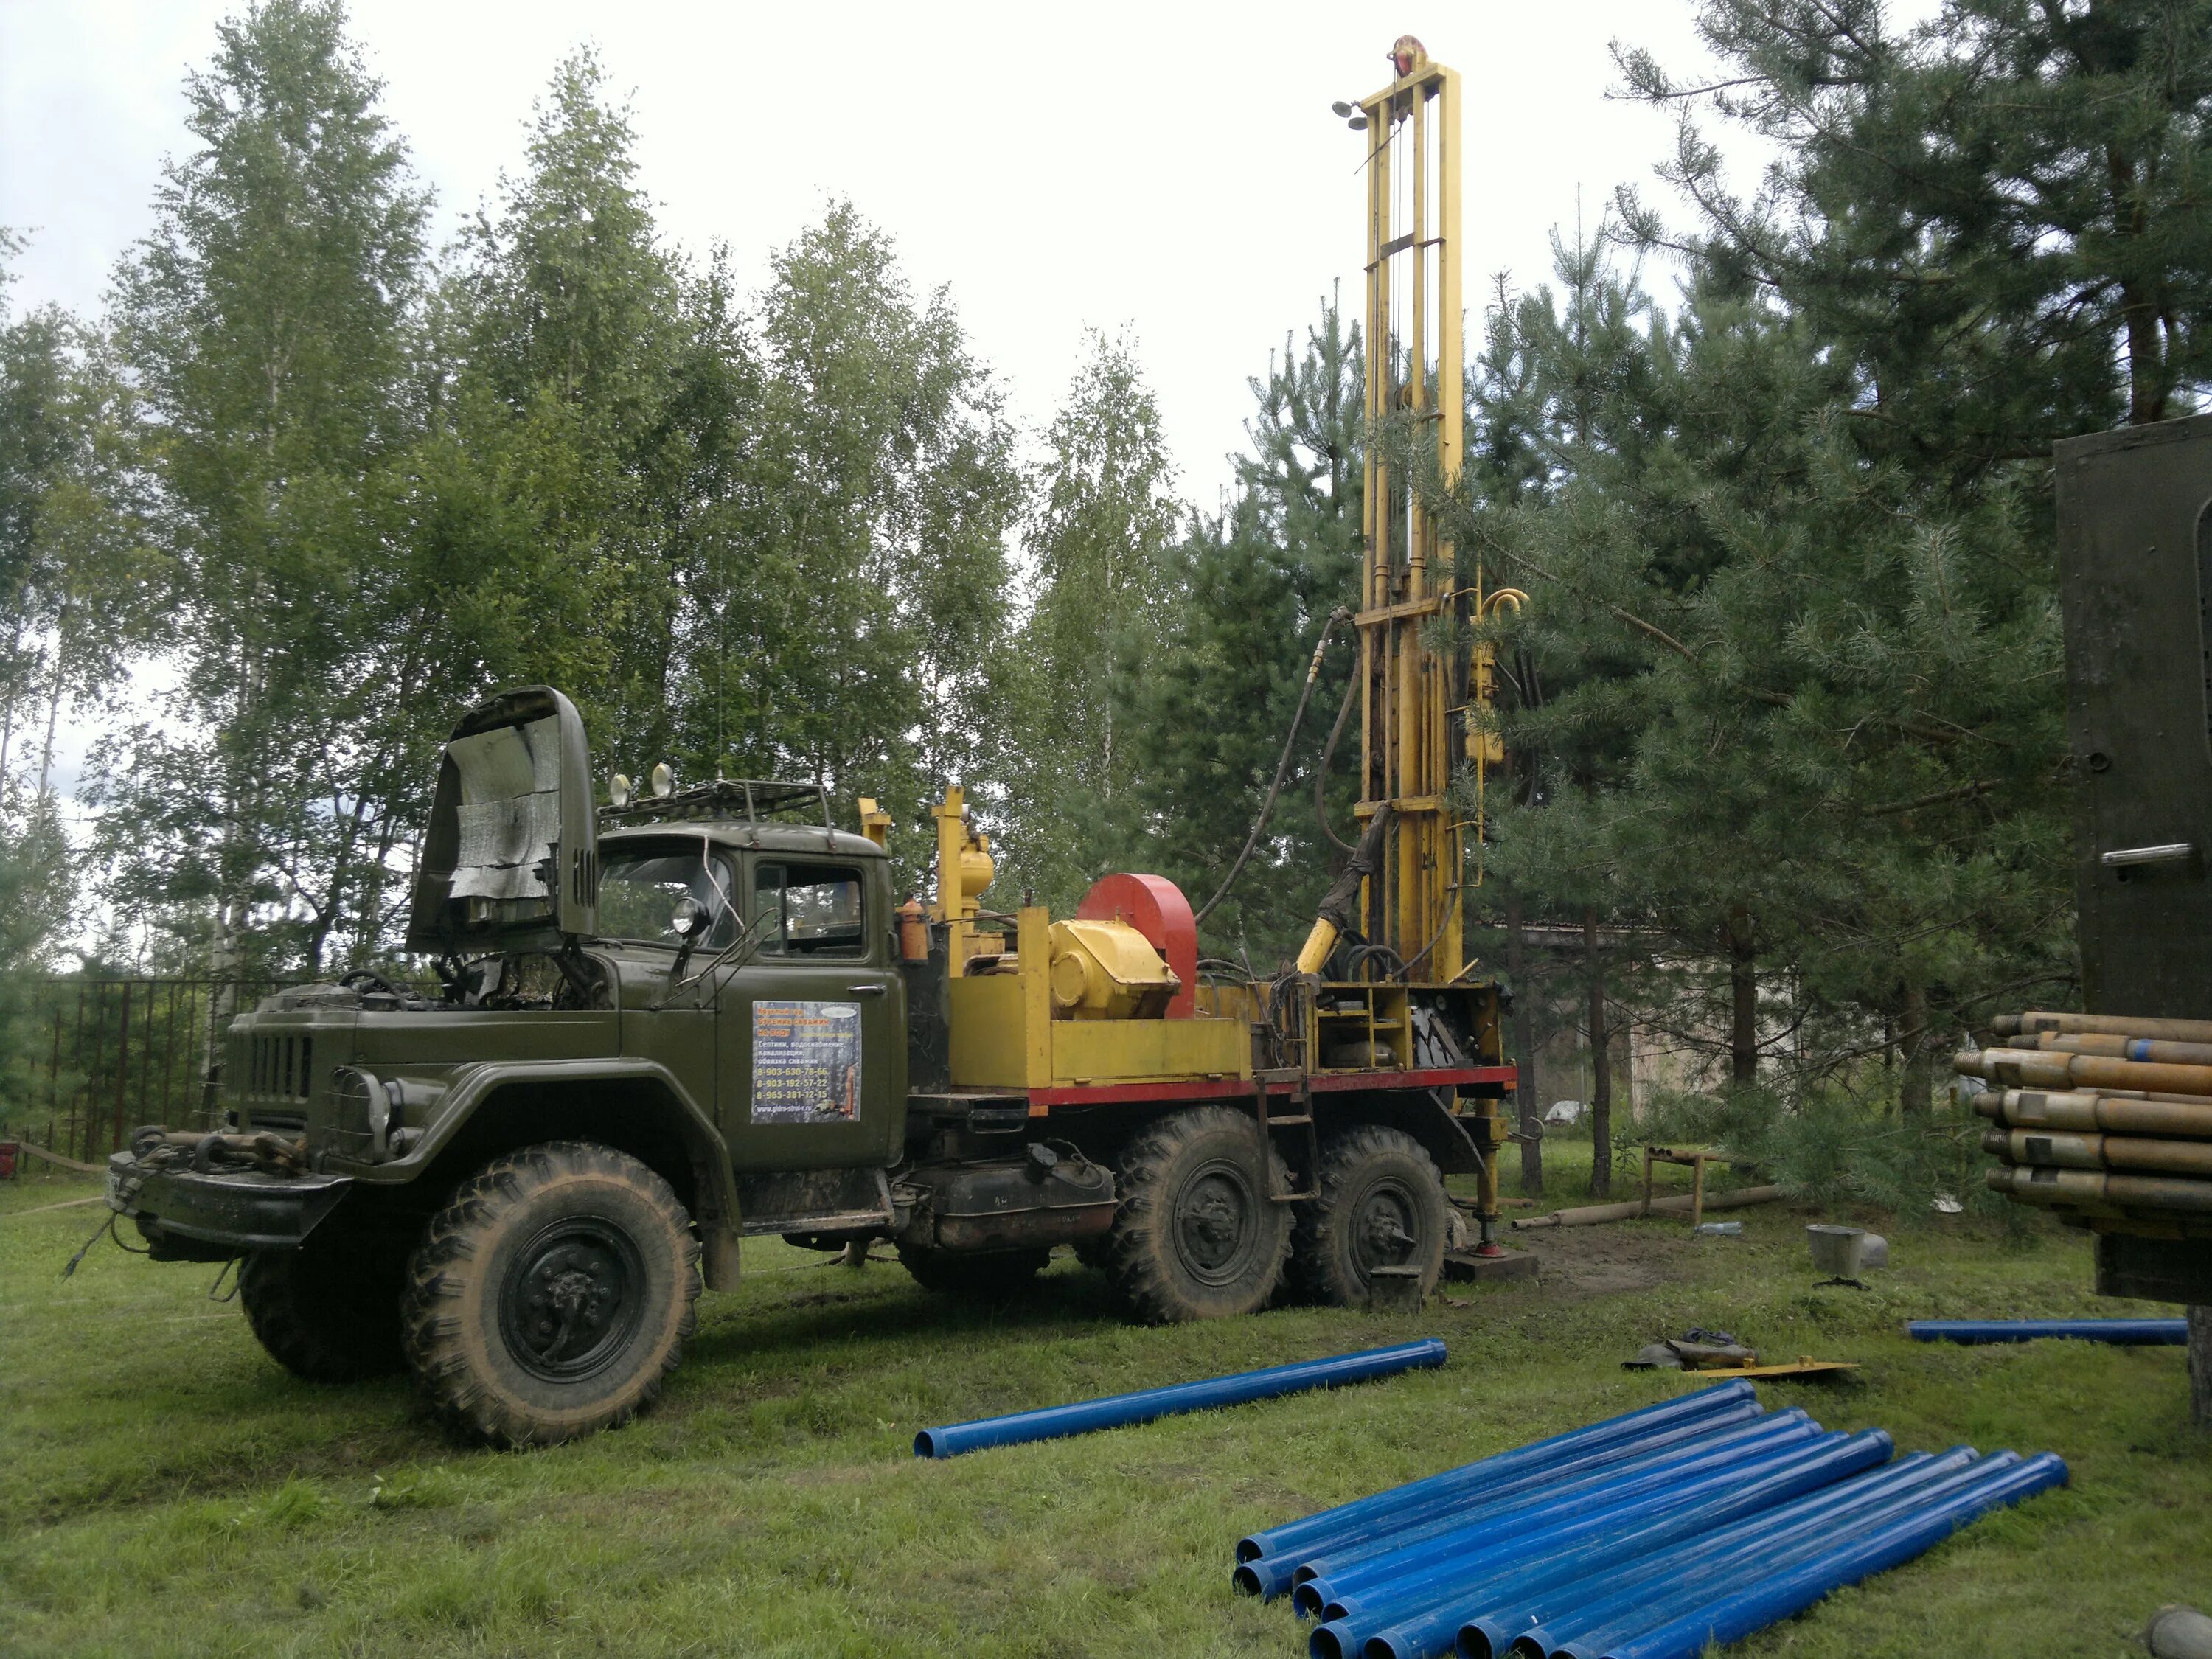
165	1489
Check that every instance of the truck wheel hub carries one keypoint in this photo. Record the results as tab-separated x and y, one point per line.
571	1300
1383	1235
1213	1222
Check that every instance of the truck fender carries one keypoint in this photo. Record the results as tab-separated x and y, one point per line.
652	1117
1417	1112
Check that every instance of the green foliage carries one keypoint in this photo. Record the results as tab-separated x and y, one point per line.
1996	218
861	598
1823	1145
266	323
1790	684
1254	588
1768	655
1100	543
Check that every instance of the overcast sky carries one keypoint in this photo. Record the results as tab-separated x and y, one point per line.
1175	167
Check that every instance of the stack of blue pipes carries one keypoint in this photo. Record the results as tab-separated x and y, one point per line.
1644	1536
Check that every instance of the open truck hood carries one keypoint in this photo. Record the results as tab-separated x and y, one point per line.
510	861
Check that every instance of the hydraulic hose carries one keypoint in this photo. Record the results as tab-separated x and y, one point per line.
1340	905
1143	1406
1282	765
1329	753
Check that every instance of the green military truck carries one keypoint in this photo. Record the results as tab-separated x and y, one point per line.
687	1017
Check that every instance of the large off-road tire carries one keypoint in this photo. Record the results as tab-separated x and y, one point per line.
328	1312
1197	1236
1379	1202
550	1297
976	1275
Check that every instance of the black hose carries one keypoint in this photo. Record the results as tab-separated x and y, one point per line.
1282	766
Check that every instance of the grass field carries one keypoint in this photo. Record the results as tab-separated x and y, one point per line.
165	1489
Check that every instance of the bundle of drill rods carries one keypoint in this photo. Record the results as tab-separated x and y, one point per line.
2103	1114
1644	1536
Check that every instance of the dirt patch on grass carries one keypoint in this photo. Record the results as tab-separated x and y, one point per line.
1608	1259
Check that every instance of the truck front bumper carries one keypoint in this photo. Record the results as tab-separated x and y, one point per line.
187	1216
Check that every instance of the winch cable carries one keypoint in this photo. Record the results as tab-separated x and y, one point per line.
1283	765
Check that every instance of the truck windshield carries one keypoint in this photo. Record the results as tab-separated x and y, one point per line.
639	892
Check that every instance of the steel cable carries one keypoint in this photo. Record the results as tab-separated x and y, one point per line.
1282	765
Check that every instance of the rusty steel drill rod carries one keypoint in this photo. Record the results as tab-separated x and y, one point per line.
2123	1047
2088	1112
2075	1152
2124	1192
2033	1068
2036	1021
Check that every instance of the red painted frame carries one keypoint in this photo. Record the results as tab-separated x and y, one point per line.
1041	1101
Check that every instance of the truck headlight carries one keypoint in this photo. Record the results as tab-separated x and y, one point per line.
365	1107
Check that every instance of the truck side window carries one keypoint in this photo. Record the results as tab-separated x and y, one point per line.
811	910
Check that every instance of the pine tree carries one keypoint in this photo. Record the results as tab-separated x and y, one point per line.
1766	652
1997	218
1254	588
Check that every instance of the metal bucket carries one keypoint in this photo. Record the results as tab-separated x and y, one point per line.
1837	1252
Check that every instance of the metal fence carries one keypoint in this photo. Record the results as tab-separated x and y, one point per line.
102	1056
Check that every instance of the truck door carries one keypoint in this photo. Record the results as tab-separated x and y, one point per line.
810	1059
2135	557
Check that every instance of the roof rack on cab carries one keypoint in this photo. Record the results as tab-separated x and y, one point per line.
753	799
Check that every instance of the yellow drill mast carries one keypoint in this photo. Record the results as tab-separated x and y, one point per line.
1409	587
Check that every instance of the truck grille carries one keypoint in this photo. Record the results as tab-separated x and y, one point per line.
280	1068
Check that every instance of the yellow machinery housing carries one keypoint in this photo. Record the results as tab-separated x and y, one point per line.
1011	1028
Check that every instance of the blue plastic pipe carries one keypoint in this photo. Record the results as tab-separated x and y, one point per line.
2131	1333
1421	1614
1540	1453
1338	1578
1432	1623
1727	1438
1601	1632
1535	1626
1373	1599
1271	1575
1597	1598
1730	1618
1713	1433
1116	1410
